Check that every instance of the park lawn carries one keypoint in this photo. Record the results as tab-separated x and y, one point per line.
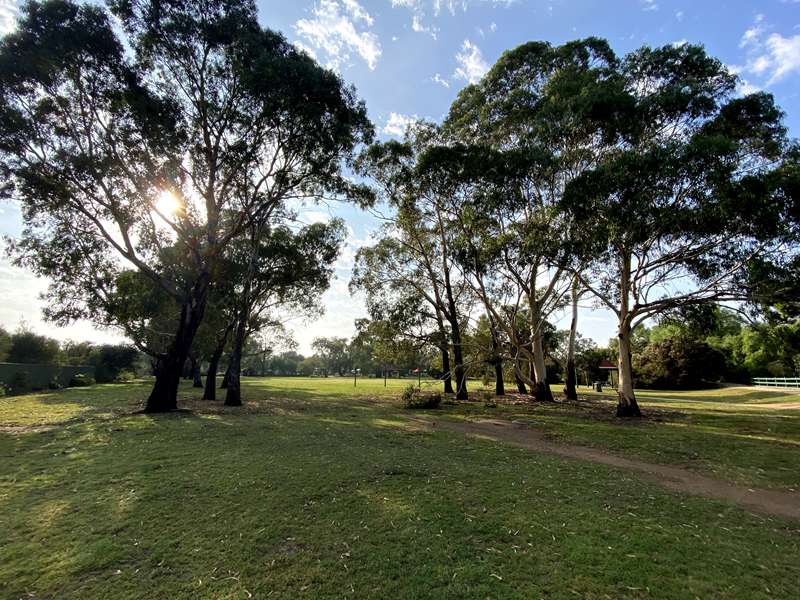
319	490
743	434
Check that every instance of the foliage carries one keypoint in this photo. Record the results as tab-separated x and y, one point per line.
27	347
334	354
5	344
414	398
110	361
125	376
679	363
193	105
81	380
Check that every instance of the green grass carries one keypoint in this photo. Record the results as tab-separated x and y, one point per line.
319	490
735	434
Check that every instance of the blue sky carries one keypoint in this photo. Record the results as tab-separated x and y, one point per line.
409	58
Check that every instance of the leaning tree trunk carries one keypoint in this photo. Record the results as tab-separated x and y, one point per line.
224	384
571	388
518	380
447	377
541	391
164	395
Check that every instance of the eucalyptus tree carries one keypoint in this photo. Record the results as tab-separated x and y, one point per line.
416	248
692	196
405	295
285	273
514	141
177	125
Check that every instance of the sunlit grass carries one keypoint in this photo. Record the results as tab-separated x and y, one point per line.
317	490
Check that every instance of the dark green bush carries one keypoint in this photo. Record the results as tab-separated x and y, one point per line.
416	399
679	363
20	382
110	361
54	384
81	380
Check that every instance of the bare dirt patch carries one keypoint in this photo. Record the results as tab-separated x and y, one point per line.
783	504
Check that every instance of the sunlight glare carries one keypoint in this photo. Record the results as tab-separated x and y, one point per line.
168	204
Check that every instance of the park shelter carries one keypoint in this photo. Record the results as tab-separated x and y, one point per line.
612	369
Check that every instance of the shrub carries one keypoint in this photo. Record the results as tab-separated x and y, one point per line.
679	363
415	399
20	382
81	380
124	376
54	384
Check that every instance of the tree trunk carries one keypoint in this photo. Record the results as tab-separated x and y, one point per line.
210	391
627	405
224	384
571	388
520	384
197	380
499	384
497	357
461	375
447	377
542	391
164	395
233	394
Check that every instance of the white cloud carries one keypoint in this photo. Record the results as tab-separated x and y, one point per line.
9	10
679	14
440	80
753	34
333	30
397	123
472	65
772	56
784	55
421	9
649	5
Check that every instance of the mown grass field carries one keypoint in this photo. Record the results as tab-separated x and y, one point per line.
316	489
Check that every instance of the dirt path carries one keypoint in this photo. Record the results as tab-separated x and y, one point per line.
783	504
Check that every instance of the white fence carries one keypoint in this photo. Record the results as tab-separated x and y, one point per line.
784	382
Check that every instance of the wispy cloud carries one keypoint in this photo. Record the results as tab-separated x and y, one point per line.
440	80
397	123
471	64
339	28
770	56
423	9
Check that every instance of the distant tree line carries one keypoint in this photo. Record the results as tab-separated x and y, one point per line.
111	362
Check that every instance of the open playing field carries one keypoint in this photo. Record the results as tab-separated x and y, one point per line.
316	489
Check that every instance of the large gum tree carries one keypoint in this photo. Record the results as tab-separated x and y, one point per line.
177	126
692	198
535	120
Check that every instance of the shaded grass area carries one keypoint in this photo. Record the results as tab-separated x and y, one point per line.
317	490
